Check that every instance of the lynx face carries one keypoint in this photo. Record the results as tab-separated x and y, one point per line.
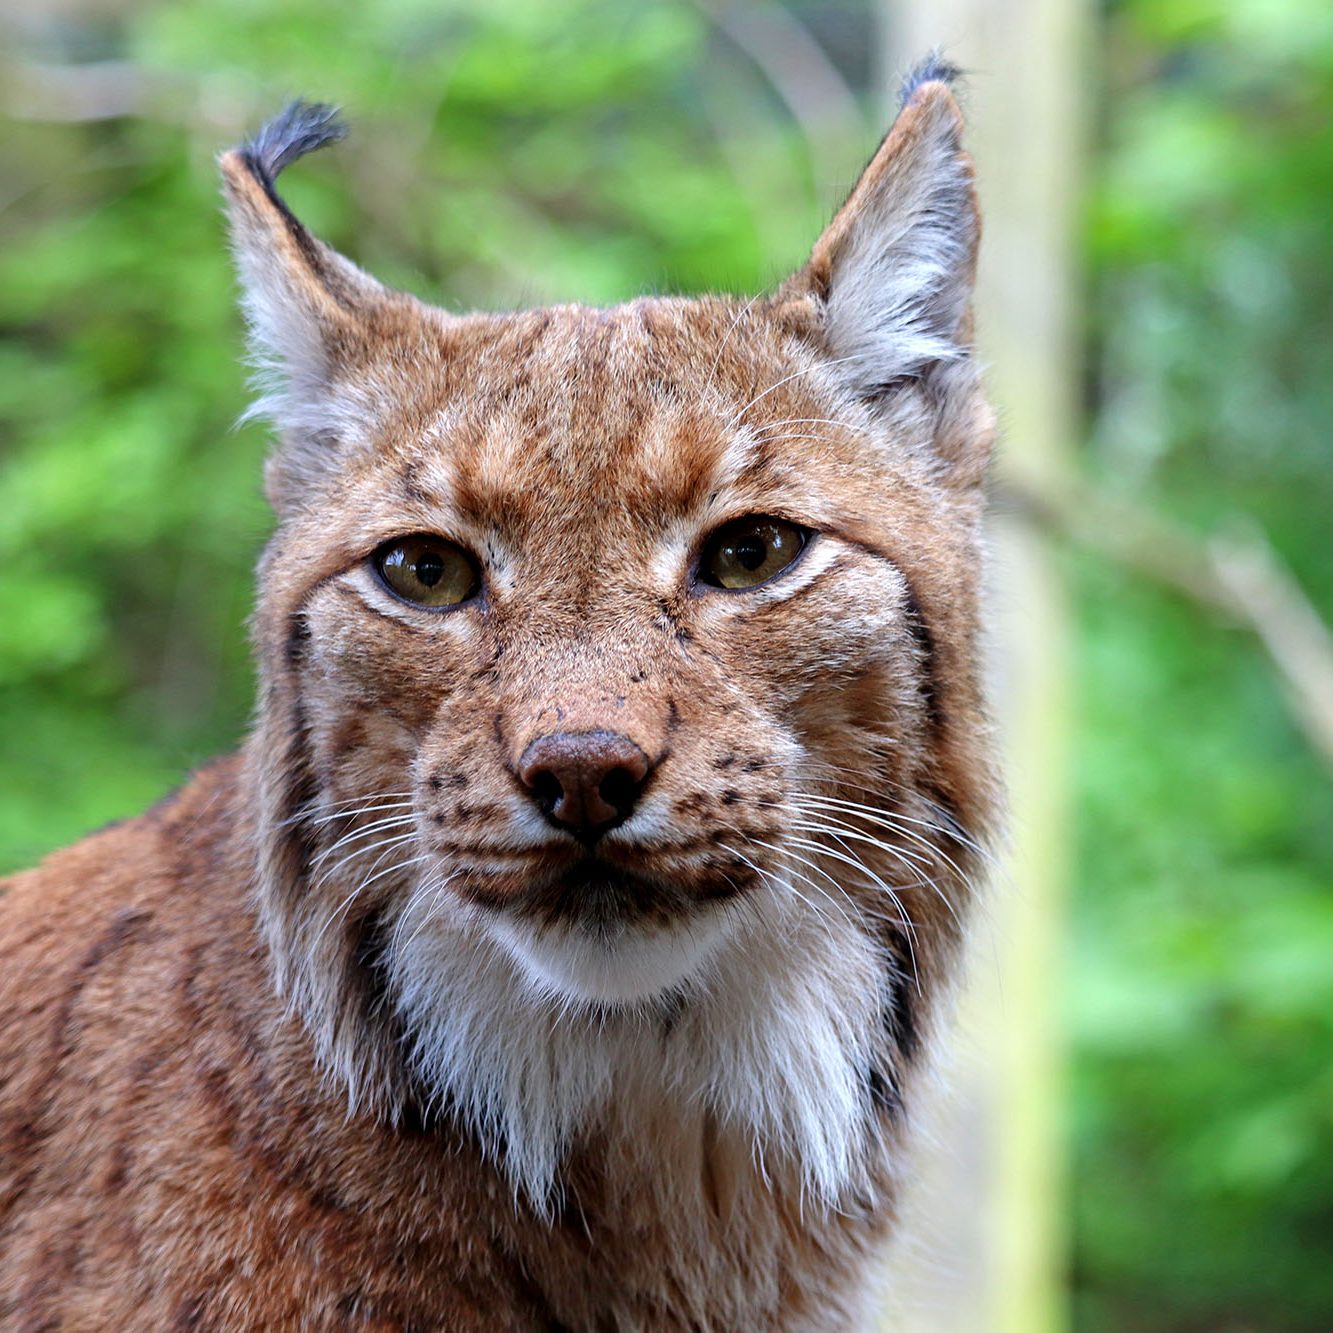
601	747
620	724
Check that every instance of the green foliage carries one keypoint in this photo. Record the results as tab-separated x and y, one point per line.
590	149
1202	977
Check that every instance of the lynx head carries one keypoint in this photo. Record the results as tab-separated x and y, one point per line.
620	733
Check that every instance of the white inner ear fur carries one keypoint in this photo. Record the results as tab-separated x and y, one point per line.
902	278
318	411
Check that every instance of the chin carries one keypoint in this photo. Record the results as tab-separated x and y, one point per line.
621	964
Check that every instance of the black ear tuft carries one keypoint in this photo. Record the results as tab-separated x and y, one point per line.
932	69
299	128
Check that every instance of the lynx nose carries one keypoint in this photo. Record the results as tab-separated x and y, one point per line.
585	781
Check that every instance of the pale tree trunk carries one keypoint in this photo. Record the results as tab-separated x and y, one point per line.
984	1247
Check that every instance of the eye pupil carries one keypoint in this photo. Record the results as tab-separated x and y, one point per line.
751	552
430	569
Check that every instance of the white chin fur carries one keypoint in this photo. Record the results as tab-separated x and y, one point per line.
623	965
516	1033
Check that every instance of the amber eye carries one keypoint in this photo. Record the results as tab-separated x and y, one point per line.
749	551
427	570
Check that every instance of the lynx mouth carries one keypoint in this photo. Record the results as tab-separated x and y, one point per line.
602	934
594	892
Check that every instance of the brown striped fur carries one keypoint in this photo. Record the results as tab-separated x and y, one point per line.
233	1090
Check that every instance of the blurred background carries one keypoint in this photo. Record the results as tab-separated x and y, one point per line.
1141	1132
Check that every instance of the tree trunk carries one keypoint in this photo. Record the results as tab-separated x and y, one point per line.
985	1217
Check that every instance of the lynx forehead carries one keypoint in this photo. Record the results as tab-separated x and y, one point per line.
614	801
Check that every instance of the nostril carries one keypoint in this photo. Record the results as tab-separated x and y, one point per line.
584	781
546	789
618	789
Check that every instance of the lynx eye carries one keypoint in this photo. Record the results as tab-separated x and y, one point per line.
427	570
749	551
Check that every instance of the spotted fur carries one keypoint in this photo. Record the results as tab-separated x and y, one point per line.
326	1040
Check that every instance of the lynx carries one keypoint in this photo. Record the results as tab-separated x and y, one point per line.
564	946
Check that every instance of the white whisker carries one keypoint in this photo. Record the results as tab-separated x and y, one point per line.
920	880
726	338
363	886
365	831
889	821
901	917
360	810
307	813
331	871
796	374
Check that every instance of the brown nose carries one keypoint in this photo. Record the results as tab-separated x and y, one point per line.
585	781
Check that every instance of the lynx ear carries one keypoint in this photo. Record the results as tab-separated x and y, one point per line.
312	314
895	267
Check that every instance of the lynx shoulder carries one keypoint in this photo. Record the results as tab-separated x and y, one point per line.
563	946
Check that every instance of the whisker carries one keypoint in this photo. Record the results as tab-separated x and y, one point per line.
784	885
805	421
947	823
726	338
889	821
885	820
363	886
351	856
830	823
777	439
921	881
308	809
787	854
788	887
805	370
360	810
901	915
431	888
869	810
390	821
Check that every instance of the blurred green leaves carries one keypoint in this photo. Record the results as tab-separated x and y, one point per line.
536	150
1202	979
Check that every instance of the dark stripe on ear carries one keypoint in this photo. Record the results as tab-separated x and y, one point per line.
299	128
932	68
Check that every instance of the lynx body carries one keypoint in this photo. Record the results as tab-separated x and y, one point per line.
562	948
